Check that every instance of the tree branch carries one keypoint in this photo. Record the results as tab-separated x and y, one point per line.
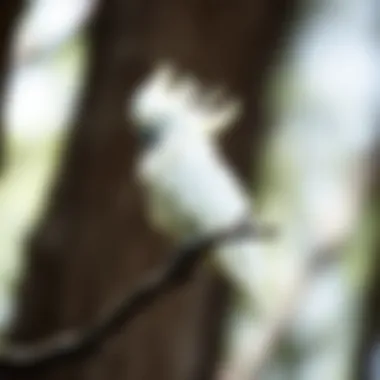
76	345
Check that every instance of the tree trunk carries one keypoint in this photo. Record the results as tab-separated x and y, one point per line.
93	242
8	16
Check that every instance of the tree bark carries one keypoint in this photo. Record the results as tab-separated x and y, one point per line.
94	242
8	16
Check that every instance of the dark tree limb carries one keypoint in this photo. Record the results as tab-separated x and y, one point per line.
76	345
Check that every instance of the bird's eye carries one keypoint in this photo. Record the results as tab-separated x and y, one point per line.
148	136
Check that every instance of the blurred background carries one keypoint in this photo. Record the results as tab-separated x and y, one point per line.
42	87
73	234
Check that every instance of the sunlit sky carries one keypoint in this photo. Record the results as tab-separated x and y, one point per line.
41	91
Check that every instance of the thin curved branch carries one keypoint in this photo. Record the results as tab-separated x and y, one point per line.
76	345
